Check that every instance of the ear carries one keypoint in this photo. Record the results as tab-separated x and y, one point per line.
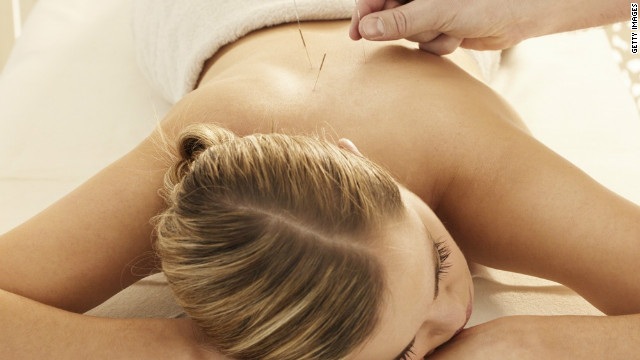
349	146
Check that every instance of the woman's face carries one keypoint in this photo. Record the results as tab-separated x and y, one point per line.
430	291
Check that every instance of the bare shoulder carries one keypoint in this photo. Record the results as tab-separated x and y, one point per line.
523	208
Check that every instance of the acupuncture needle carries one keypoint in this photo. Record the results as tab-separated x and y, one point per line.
295	5
318	76
364	55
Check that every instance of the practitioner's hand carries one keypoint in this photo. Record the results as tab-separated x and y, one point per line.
440	26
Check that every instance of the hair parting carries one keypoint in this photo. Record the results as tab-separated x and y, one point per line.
267	242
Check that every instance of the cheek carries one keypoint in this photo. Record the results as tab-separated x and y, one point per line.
461	262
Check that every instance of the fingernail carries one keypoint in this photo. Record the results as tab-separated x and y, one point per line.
373	27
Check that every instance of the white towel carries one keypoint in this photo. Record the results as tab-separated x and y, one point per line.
175	38
488	62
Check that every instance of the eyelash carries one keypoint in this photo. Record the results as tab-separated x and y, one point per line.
409	351
443	254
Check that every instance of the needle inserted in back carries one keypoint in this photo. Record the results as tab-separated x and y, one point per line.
318	76
364	55
304	43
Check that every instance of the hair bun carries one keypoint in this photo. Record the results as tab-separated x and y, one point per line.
193	141
191	145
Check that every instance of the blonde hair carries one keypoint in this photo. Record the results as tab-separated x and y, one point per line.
267	242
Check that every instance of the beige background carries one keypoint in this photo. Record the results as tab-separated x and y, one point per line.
7	35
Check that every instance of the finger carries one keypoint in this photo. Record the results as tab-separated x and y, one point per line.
354	33
424	37
361	9
390	4
488	43
442	45
401	21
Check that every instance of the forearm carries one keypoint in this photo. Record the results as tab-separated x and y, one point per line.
587	337
547	337
30	330
548	17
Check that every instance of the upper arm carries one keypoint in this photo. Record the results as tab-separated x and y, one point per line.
516	205
82	249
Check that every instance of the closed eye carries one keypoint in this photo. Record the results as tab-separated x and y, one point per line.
442	252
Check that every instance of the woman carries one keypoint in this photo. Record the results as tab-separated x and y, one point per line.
506	200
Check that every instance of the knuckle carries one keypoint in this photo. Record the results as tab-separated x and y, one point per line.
401	22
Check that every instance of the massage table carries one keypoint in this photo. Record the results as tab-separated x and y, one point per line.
73	100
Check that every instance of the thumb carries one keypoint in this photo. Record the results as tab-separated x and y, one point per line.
399	22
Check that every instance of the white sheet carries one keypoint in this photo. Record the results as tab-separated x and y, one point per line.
72	100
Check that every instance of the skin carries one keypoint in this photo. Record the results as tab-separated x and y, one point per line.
508	201
414	308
